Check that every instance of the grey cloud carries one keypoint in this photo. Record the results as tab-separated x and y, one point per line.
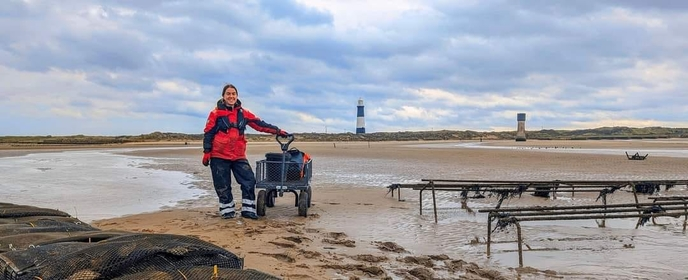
289	9
51	44
111	51
125	81
14	9
652	5
81	103
105	51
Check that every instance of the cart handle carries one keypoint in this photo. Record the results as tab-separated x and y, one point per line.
285	146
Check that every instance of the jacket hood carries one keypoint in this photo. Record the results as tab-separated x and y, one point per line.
222	106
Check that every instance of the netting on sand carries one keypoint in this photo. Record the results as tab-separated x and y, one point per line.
37	243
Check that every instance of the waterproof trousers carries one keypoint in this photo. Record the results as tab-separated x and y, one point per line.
222	181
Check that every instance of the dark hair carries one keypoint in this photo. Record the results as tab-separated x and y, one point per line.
229	86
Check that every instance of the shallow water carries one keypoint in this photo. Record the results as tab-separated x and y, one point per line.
91	185
578	248
652	152
575	249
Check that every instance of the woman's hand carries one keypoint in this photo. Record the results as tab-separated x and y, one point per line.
206	159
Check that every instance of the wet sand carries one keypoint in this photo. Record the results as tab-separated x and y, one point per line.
355	229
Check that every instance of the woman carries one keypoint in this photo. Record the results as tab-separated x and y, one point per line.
224	149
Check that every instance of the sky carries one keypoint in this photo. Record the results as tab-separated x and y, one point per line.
130	67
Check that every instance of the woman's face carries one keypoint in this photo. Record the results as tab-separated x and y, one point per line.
230	96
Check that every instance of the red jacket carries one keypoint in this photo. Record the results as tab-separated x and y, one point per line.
224	131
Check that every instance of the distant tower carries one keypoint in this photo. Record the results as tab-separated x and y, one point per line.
521	130
360	120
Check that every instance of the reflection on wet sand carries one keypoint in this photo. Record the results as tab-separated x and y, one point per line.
355	230
579	248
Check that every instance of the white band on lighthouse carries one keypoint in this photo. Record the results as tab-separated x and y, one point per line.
360	118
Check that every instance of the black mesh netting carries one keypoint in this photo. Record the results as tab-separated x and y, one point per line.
15	211
26	240
646	188
504	221
42	224
205	273
115	257
651	210
48	244
33	219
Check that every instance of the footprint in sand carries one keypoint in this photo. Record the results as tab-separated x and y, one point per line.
368	270
389	247
345	242
297	239
338	239
370	258
423	260
283	244
251	231
422	273
335	235
279	256
309	254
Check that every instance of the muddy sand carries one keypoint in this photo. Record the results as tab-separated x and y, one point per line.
355	230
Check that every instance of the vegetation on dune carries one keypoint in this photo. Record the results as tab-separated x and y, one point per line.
617	132
545	134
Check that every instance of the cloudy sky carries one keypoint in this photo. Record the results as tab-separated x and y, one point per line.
129	67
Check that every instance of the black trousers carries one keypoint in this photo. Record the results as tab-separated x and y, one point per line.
222	181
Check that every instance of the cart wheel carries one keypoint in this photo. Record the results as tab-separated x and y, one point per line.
310	197
260	203
270	199
303	204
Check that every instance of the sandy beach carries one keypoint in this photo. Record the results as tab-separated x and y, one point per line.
355	230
